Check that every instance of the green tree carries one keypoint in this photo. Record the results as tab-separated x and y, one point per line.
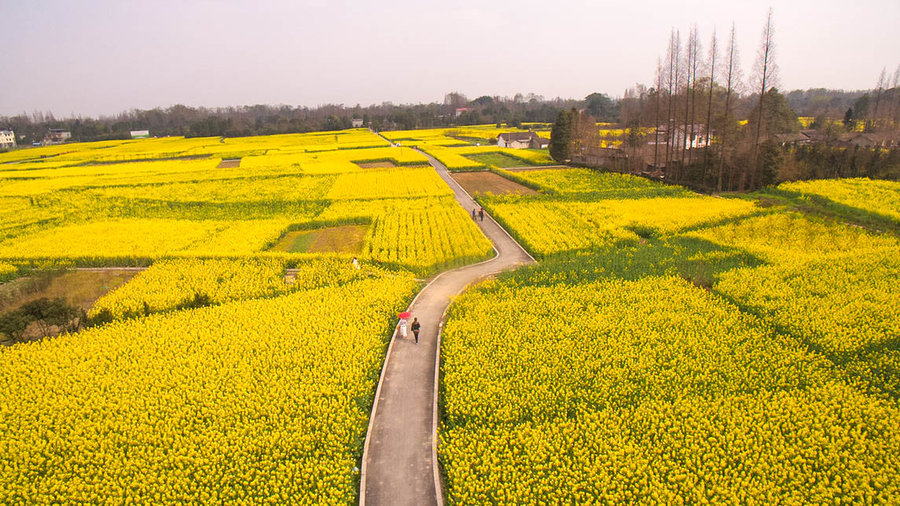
13	324
770	158
848	119
861	107
777	116
600	106
51	313
561	136
634	139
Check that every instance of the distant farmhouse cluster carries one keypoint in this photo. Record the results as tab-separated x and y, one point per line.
56	136
868	140
53	136
694	137
522	140
689	136
7	139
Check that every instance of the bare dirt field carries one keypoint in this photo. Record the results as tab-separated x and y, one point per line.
80	288
383	164
229	164
483	182
344	239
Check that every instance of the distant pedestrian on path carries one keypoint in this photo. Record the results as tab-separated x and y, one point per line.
481	213
415	328
473	214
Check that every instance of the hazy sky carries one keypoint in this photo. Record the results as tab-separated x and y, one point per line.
102	57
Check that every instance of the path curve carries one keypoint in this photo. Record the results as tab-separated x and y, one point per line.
399	464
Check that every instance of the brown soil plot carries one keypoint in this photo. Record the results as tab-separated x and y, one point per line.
81	288
346	239
343	239
229	164
483	182
383	164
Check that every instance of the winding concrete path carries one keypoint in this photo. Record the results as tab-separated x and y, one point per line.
399	464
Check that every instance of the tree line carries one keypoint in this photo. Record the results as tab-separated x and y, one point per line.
455	110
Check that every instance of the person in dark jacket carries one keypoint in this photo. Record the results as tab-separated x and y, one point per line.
481	213
415	328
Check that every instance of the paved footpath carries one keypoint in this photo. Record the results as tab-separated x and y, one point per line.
398	461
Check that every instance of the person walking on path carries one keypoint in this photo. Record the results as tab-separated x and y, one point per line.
403	328
481	213
473	214
415	328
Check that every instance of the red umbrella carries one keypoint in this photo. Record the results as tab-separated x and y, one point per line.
404	315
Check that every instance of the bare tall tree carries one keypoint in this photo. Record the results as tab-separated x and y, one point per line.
766	76
732	78
709	106
673	87
688	57
879	92
895	102
656	124
695	58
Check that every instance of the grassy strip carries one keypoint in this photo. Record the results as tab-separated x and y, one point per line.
502	160
297	241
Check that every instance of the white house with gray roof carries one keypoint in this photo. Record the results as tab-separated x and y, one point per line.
7	139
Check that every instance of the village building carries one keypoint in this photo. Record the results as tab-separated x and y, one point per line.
7	139
863	140
140	134
522	140
812	136
56	136
356	122
793	139
690	136
598	157
866	140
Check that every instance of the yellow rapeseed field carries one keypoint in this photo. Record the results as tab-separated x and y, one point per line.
265	395
599	184
790	236
676	349
553	226
669	347
7	271
145	238
256	401
648	390
136	201
389	183
168	283
879	197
